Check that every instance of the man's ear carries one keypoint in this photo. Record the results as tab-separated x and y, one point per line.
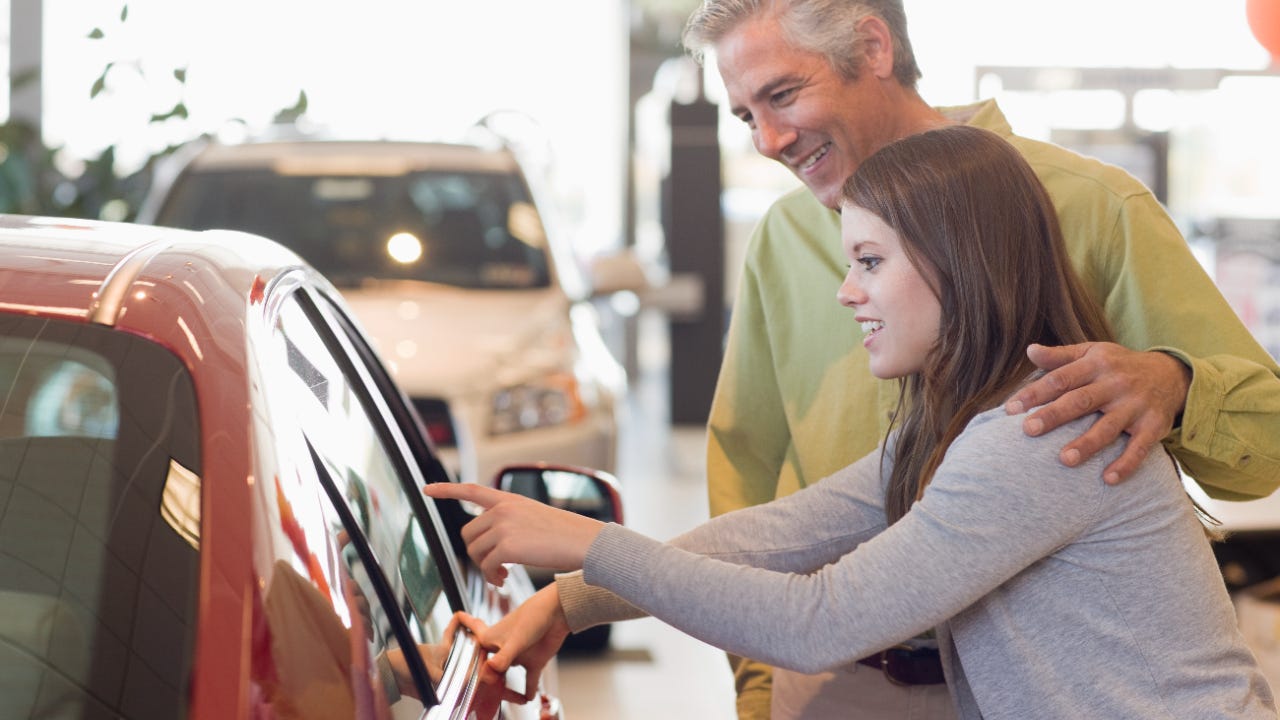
878	47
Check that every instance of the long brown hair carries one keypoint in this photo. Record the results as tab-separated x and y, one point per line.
978	225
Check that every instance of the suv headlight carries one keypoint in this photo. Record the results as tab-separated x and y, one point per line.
548	401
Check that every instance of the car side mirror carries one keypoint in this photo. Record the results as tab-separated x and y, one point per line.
591	493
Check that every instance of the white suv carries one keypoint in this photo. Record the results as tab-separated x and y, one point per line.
444	256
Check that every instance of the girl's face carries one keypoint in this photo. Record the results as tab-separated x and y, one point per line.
899	312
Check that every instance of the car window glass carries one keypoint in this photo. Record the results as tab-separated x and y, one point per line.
326	648
99	523
324	404
462	228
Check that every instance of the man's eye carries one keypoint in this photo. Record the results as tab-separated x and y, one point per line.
783	96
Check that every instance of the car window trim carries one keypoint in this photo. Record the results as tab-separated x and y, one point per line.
451	513
408	645
339	342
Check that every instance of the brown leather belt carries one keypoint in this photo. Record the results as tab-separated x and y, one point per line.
904	665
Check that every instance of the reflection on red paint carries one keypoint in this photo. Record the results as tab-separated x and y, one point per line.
257	291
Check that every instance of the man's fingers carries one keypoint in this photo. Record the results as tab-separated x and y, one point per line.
1052	358
1064	409
1135	452
1062	375
1061	391
1124	466
1105	431
1099	435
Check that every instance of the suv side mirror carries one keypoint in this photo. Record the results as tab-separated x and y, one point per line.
591	493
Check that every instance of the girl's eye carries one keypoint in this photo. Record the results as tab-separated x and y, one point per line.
868	262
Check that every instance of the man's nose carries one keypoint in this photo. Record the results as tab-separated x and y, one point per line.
771	138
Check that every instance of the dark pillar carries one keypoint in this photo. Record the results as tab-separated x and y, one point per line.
26	39
694	230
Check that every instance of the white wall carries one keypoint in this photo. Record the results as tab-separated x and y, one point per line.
404	68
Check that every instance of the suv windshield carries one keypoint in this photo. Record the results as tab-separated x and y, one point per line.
468	229
99	523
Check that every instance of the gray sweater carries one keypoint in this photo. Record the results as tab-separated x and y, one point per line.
1053	595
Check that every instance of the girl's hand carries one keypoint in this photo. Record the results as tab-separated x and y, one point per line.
517	529
528	636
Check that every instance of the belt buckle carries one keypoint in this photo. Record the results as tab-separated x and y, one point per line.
884	666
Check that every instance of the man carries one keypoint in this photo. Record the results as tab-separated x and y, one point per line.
823	84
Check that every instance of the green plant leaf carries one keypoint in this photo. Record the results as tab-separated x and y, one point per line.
179	111
96	34
124	13
292	114
180	74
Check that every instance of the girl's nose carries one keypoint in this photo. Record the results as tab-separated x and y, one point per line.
850	293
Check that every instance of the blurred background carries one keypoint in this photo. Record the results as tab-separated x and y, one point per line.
1181	93
612	116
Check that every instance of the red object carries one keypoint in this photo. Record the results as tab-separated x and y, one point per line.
1264	21
210	300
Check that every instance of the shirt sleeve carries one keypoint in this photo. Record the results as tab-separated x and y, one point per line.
1162	299
941	557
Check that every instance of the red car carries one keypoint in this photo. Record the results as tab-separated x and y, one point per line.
208	503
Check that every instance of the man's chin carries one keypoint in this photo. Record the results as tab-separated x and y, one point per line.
827	191
830	197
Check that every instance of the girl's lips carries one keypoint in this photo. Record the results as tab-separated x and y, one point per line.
872	330
869	337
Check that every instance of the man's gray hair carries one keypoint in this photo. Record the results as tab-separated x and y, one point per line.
826	27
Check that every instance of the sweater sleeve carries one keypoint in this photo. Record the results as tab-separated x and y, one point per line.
999	502
798	533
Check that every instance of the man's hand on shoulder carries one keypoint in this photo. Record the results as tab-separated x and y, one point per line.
1138	393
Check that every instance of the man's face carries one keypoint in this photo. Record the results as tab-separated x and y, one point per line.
801	112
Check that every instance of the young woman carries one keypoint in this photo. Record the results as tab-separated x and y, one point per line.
1053	595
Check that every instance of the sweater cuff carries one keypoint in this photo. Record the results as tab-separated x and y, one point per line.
586	606
618	559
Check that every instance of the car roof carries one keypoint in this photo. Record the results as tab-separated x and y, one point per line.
339	157
112	273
